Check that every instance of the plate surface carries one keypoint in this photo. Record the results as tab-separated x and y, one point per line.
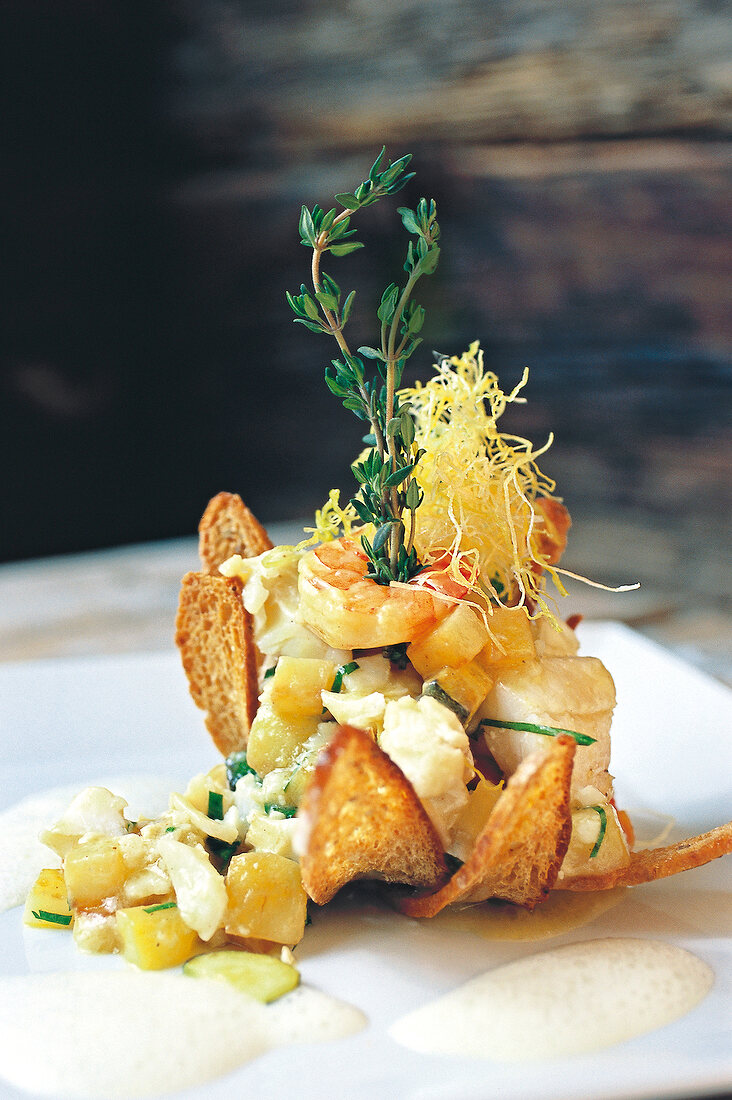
102	719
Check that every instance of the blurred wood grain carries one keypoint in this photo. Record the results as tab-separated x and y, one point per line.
155	163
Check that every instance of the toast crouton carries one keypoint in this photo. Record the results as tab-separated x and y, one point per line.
364	821
214	635
655	863
520	850
228	527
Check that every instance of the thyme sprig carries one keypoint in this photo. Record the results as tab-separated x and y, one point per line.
387	487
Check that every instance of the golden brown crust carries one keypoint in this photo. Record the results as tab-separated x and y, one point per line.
365	821
660	862
214	635
228	527
518	855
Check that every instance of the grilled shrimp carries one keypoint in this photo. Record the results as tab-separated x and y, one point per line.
349	611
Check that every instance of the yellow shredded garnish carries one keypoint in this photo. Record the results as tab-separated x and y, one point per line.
479	484
331	521
478	519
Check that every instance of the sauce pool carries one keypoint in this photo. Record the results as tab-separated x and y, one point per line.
570	1000
137	1034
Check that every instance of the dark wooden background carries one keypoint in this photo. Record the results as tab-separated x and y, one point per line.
154	160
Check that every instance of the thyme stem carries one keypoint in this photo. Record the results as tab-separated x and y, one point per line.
387	488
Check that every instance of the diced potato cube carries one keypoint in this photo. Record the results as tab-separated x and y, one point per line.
266	898
297	684
467	686
46	905
453	642
94	870
275	741
155	937
262	976
510	642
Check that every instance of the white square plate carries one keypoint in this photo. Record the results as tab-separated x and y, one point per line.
81	721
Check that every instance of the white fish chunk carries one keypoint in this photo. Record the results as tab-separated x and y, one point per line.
575	693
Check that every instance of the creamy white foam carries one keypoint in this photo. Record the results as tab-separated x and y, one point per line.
570	1000
135	1034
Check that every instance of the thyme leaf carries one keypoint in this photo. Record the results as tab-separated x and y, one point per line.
387	489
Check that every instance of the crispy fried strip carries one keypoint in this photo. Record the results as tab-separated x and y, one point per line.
214	635
228	527
520	850
551	535
365	821
660	862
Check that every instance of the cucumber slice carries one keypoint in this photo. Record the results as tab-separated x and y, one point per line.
262	976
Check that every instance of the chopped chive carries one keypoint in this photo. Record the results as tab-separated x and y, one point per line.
270	672
163	905
396	654
533	727
52	918
171	829
221	849
286	811
341	671
216	805
603	826
236	767
295	770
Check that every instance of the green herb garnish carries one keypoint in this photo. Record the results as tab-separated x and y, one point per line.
216	805
341	671
387	487
286	811
221	849
396	654
163	905
600	810
52	918
533	727
270	672
236	767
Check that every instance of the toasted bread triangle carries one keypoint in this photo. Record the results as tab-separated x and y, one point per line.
228	527
214	635
655	863
520	850
364	821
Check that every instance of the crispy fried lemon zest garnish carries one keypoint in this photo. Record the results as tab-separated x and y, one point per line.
479	483
331	521
478	519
